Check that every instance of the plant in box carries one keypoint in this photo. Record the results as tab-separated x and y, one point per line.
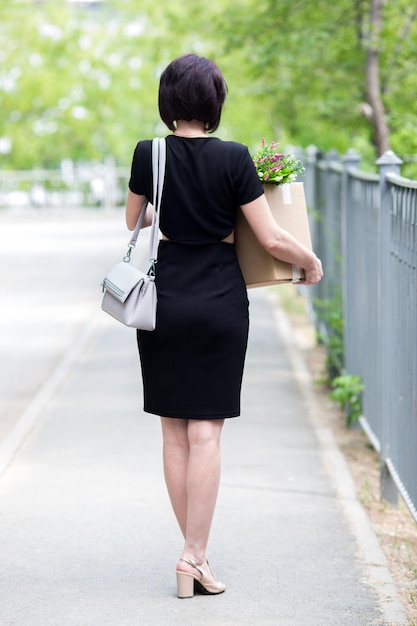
277	171
275	168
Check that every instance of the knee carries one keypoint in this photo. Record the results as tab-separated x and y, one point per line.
204	432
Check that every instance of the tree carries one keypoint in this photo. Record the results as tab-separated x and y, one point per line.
373	85
339	73
82	83
73	84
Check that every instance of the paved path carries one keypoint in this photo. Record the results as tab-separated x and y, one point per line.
87	537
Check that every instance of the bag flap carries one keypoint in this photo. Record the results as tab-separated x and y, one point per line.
121	279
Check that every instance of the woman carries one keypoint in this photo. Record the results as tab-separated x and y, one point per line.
192	364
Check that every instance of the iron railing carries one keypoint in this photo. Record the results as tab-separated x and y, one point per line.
101	185
364	228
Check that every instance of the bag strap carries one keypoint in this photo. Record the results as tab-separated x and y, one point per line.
158	172
158	169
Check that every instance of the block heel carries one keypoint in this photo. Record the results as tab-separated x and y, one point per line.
201	582
185	585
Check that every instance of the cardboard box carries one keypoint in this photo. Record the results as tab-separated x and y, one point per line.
259	268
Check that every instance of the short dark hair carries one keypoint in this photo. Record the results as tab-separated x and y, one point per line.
192	88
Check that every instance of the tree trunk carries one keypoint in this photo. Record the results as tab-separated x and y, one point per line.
373	86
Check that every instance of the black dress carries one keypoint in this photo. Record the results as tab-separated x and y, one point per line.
192	364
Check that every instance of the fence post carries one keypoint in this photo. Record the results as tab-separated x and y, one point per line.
350	160
331	215
387	163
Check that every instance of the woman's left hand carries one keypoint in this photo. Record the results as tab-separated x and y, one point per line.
314	273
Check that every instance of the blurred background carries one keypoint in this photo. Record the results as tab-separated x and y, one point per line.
79	80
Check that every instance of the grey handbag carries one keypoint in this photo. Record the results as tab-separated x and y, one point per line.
130	295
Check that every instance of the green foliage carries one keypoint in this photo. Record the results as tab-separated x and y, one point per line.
346	388
81	81
347	391
330	314
76	87
310	57
274	167
295	58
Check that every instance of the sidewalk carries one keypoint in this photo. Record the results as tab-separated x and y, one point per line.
87	536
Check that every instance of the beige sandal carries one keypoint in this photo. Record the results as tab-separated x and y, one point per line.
203	582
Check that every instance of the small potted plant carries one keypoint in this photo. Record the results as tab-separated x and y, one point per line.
274	167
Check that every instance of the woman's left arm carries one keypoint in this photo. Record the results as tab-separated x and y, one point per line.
279	242
134	205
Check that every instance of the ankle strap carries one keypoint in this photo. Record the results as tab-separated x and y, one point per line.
194	564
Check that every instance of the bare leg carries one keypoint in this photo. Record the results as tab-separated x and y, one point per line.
176	452
192	474
203	478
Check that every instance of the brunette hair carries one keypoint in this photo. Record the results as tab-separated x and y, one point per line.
192	88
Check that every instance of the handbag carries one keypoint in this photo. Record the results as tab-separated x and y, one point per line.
259	268
130	295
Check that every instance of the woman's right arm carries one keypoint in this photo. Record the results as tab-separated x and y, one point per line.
134	205
279	242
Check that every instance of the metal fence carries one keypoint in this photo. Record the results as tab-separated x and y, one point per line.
364	228
99	185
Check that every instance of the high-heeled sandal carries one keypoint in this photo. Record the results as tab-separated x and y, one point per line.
188	584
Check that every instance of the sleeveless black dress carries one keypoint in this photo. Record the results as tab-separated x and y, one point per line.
192	364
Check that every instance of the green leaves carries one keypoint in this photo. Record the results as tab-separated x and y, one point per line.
82	82
347	391
274	167
73	84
